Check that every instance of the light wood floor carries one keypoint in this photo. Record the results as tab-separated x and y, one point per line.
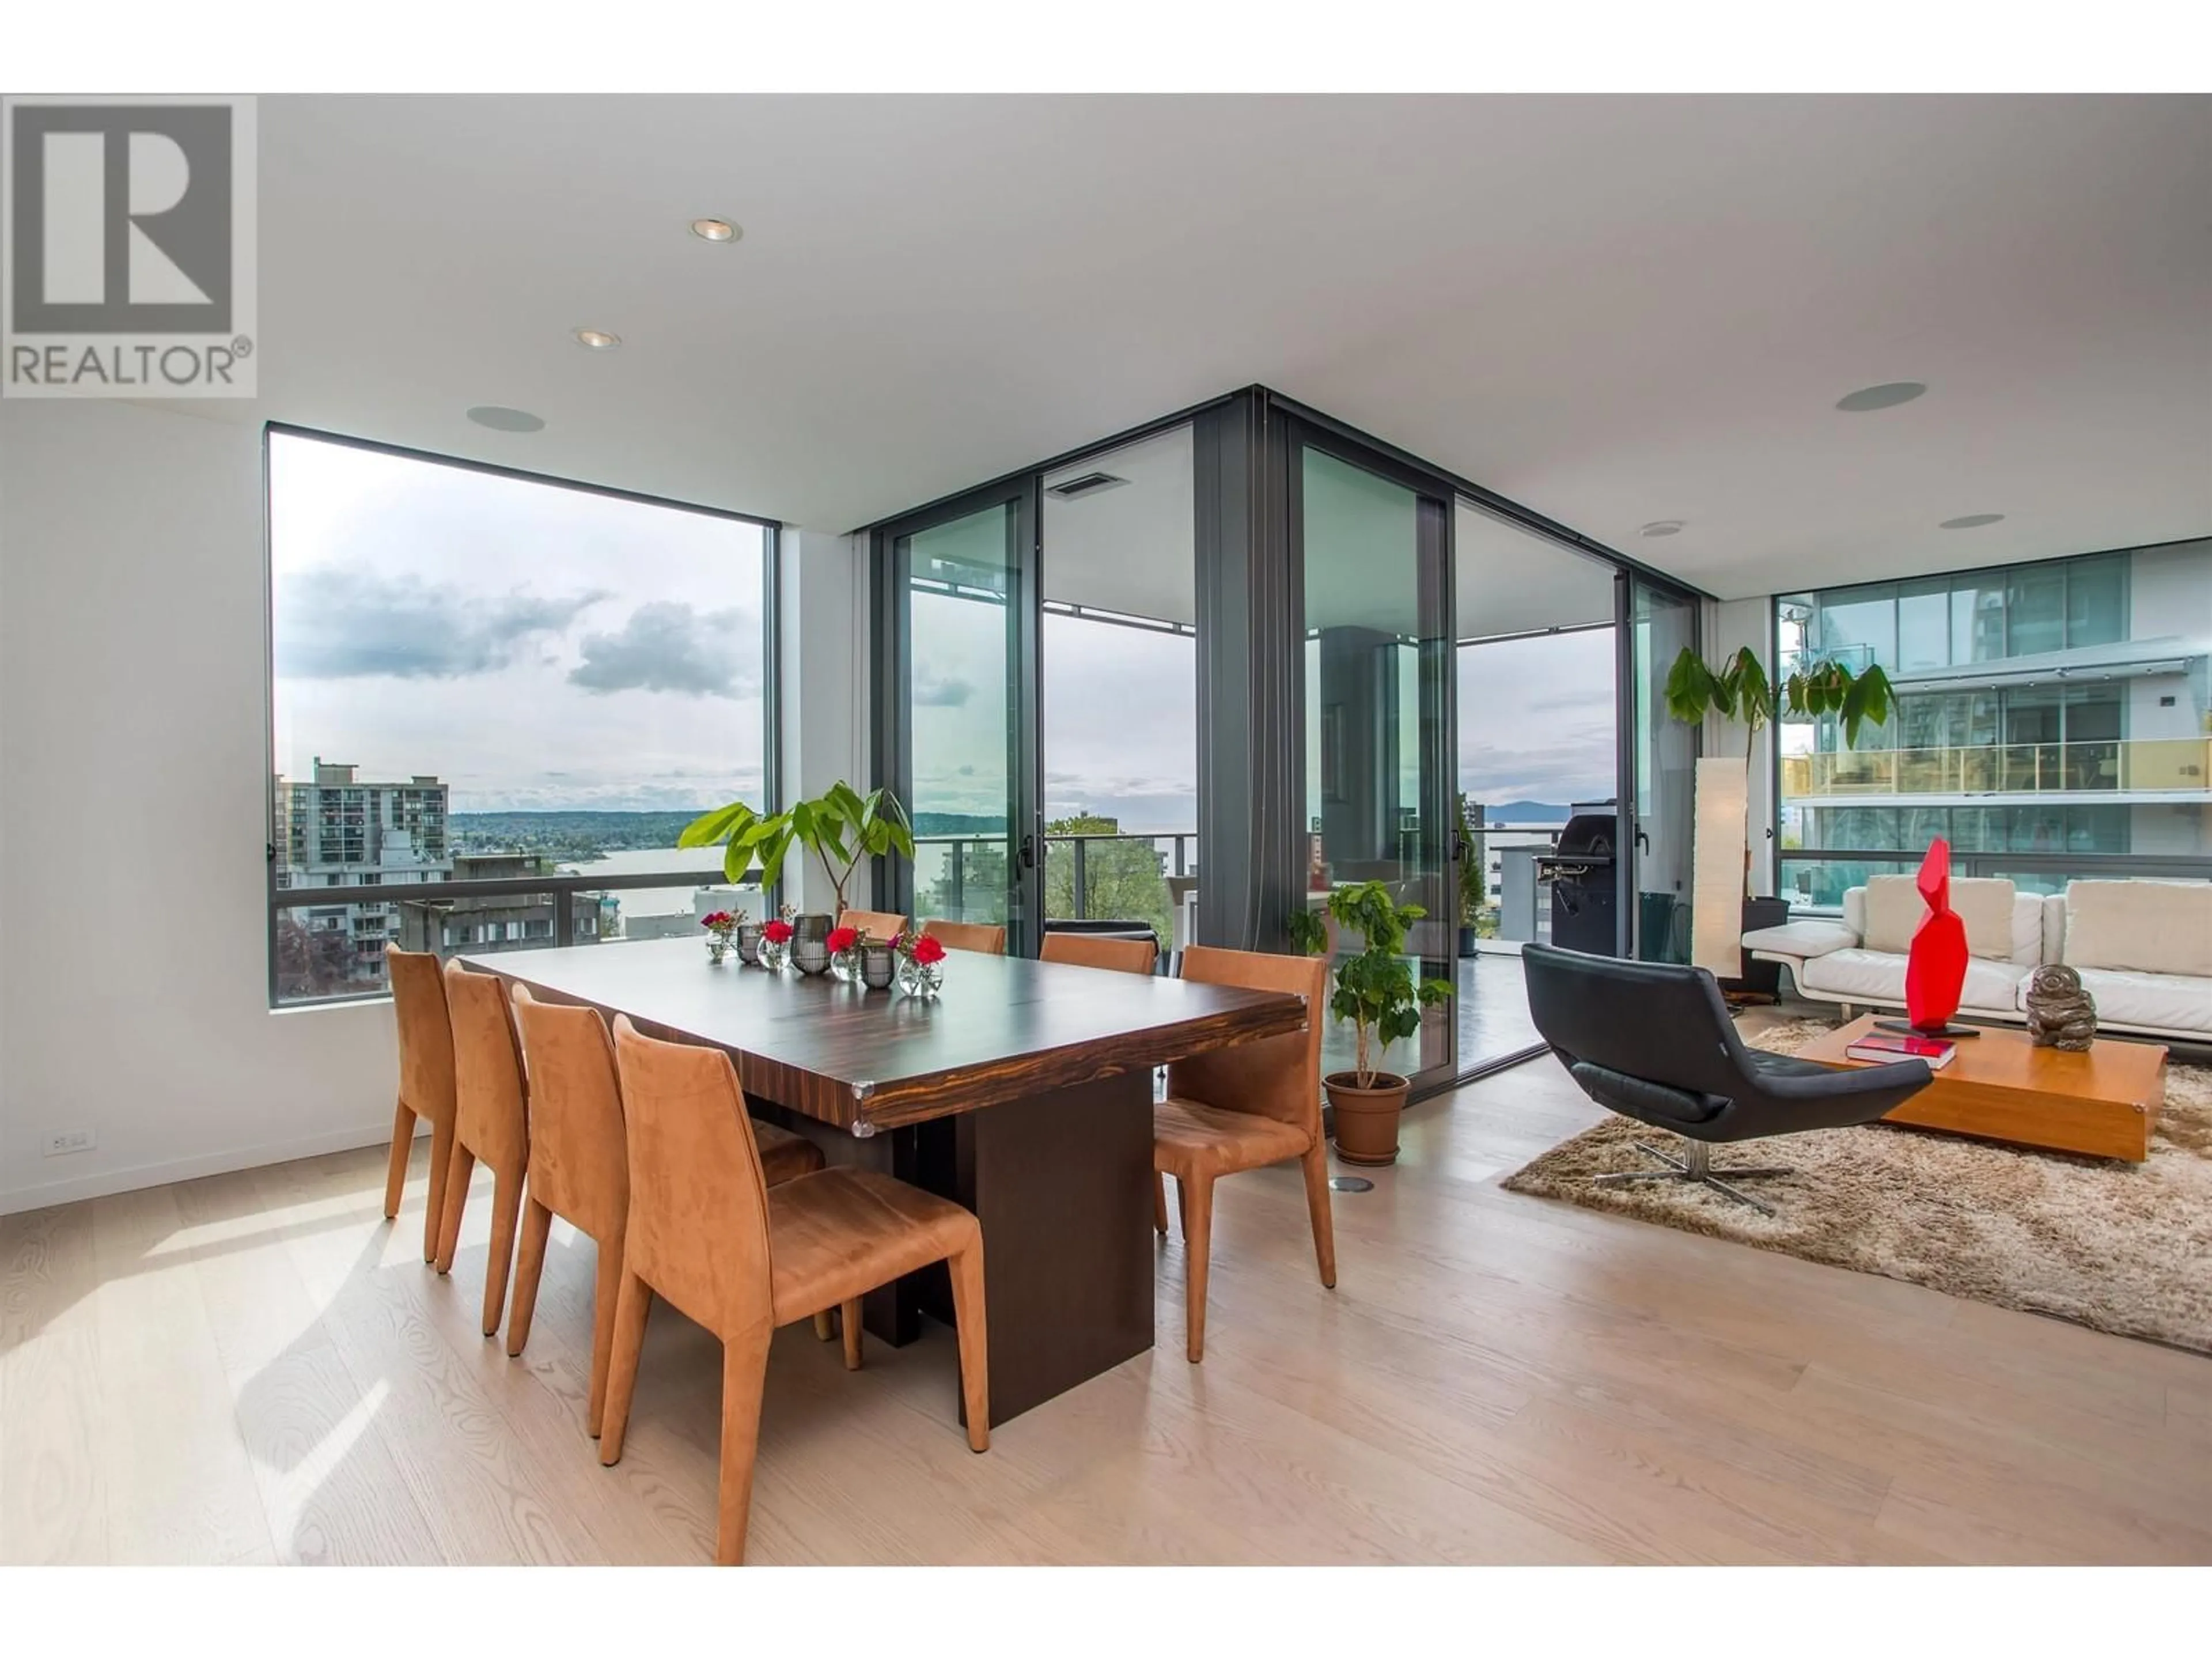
258	1367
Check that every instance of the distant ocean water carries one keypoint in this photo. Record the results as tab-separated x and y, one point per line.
648	861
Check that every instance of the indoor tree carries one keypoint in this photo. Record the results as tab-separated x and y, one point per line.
840	827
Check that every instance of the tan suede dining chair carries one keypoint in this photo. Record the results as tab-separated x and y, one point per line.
490	1123
426	1082
580	1169
966	936
708	1233
1126	956
1242	1109
881	926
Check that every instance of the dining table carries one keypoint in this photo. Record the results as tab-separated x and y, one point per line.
1022	1090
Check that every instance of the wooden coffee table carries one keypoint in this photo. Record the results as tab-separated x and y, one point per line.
2000	1086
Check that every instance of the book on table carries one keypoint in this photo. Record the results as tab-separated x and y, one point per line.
1882	1046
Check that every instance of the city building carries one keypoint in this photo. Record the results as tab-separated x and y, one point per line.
2051	722
480	922
335	830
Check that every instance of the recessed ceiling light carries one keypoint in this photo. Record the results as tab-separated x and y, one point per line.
598	339
1971	521
715	230
499	418
1663	528
1887	395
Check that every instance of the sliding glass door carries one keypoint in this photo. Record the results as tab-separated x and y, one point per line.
957	732
1661	760
1372	544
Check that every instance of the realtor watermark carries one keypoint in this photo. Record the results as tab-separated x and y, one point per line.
127	240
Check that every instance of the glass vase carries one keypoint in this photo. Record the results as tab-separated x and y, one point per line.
845	966
718	946
921	979
773	954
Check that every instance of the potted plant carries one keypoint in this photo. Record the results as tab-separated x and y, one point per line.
1739	689
840	827
1377	990
1473	877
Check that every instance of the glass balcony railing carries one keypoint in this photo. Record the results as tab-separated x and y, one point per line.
1094	878
2179	764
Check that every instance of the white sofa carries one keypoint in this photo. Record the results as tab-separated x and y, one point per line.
2144	950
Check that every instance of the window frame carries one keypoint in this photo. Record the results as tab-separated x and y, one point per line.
556	887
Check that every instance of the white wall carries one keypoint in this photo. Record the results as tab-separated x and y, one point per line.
1729	624
824	716
133	818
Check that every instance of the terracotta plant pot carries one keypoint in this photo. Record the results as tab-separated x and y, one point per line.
1366	1119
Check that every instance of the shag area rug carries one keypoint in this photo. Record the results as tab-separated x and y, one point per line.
2125	1247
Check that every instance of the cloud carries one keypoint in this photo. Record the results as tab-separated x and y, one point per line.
933	690
666	645
334	623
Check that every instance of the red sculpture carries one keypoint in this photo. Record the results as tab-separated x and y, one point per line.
1935	971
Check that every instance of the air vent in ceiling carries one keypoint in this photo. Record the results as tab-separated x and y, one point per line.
1089	484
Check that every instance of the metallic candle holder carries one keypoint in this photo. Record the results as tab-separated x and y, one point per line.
878	964
810	945
749	942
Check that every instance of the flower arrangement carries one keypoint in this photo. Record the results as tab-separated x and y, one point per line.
721	927
844	945
775	944
920	963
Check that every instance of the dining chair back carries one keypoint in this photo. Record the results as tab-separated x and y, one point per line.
1278	1077
698	1214
881	926
578	1167
991	941
1127	956
426	1081
490	1122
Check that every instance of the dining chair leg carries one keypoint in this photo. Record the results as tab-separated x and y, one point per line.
744	1379
848	1316
1159	1204
967	1314
607	1293
1324	1225
434	1215
459	1169
403	1146
505	1208
1196	1194
528	1268
630	1309
825	1328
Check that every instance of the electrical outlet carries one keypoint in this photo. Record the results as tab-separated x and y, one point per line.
72	1140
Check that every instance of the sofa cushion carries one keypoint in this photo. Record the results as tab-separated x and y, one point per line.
2142	926
1879	977
1985	904
1810	937
2165	1002
2027	930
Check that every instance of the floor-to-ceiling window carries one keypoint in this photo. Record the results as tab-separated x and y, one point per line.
1538	743
2051	721
1120	714
496	701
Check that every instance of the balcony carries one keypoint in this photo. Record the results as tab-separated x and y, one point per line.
2153	766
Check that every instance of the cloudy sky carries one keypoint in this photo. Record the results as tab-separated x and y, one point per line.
542	648
535	648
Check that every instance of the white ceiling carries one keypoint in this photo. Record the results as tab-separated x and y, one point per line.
1611	309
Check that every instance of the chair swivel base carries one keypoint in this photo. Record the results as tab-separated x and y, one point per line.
1698	1166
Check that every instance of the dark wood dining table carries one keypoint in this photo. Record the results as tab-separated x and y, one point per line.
1024	1091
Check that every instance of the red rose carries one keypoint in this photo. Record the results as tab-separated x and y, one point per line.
777	933
842	939
717	918
927	951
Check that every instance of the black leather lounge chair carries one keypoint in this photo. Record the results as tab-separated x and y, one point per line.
1654	1042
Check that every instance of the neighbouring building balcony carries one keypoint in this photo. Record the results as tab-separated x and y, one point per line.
2166	768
